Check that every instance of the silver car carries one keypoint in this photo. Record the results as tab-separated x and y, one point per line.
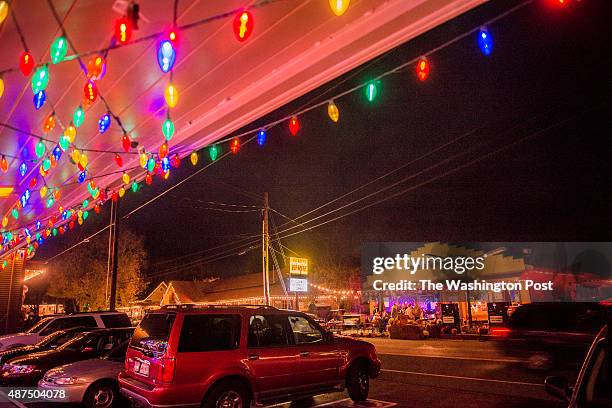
91	382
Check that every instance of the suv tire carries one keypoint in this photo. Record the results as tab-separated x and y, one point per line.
358	382
228	394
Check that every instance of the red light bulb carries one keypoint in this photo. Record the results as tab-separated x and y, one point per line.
148	179
126	143
163	150
26	63
235	146
90	92
118	160
243	25
294	125
123	30
422	69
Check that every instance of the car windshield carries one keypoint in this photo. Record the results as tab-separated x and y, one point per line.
77	343
36	328
58	338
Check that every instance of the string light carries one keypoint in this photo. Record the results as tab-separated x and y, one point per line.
371	91
339	7
104	123
23	169
4	10
59	48
49	123
39	99
171	96
70	133
332	111
118	160
166	56
26	63
1	87
213	152
193	157
422	69
4	164
123	30
78	116
125	178
294	125
261	137
485	41
243	25
126	143
168	129
235	145
96	68
40	149
40	79
90	92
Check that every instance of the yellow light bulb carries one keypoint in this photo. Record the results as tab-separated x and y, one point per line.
171	95
143	160
121	192
76	156
339	6
194	158
70	133
125	178
333	112
43	191
4	9
1	87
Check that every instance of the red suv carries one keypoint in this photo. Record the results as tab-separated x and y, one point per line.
237	355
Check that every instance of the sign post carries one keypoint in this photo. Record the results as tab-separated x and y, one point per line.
298	277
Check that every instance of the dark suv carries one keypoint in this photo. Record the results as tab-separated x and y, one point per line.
233	356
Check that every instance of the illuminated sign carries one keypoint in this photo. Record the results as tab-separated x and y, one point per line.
298	266
298	285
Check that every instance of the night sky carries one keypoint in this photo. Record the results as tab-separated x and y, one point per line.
545	91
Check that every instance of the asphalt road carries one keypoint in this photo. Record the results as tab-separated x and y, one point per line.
445	373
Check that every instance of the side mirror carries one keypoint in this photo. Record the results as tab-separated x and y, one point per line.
558	387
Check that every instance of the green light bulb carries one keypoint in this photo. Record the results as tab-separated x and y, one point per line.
64	142
134	186
78	116
40	149
58	50
46	164
168	129
213	152
85	203
40	79
85	215
371	91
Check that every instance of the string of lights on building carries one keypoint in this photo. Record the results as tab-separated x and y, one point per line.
151	164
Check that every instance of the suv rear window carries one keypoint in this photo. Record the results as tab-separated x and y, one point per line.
210	333
153	332
116	320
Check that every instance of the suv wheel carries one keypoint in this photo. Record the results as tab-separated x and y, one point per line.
101	395
228	394
358	382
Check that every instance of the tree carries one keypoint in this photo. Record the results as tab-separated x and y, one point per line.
81	274
339	275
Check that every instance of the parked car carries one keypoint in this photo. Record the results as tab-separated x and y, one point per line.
52	324
50	342
551	333
29	369
234	356
593	388
90	382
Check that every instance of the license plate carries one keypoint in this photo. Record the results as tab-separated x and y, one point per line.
142	367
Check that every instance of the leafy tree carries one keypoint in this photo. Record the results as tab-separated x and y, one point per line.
81	274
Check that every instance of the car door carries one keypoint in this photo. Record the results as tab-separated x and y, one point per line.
270	357
319	359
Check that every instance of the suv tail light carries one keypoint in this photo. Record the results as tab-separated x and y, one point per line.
166	370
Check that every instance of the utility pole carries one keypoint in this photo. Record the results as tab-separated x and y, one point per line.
114	254
265	237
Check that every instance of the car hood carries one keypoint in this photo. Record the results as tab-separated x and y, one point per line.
17	338
44	360
90	370
18	351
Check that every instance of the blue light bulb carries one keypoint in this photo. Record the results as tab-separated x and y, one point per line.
39	99
485	41
23	169
82	176
104	123
261	137
166	56
57	153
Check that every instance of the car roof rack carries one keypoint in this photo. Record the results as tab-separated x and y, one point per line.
189	306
